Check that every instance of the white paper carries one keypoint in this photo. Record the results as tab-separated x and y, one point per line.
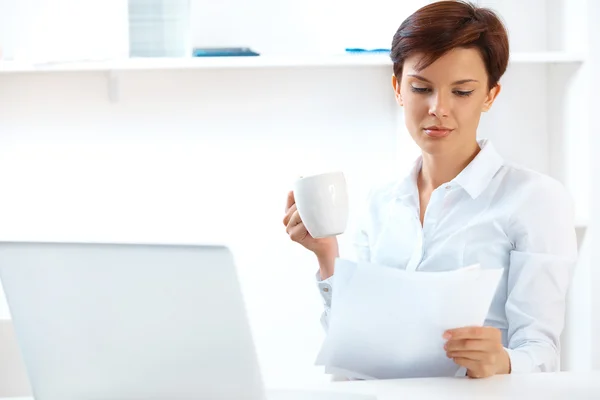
388	323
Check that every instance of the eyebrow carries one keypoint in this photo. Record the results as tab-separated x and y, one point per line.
460	82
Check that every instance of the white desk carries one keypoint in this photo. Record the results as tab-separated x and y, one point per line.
543	386
546	386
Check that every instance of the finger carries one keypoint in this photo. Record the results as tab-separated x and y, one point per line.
474	368
294	221
470	365
469	345
472	332
469	355
290	200
298	233
289	214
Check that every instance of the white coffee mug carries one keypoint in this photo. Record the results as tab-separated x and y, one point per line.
322	202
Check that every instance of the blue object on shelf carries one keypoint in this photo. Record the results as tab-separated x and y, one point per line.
224	52
354	50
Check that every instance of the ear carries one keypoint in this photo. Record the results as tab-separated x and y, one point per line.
491	96
397	94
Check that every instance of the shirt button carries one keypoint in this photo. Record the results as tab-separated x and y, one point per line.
326	289
448	187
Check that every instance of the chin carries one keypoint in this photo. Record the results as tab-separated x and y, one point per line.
433	145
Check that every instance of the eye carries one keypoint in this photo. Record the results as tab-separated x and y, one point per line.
420	89
463	93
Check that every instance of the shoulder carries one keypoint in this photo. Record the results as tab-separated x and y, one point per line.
525	184
537	199
542	217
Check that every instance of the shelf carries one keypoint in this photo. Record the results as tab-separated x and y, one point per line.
342	60
142	64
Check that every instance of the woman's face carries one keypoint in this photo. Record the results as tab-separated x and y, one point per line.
443	102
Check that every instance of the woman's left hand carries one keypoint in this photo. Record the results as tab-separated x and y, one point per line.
479	350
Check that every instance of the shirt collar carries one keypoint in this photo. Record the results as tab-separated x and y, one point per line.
476	176
408	186
474	179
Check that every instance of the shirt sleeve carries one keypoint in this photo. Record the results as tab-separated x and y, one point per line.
325	286
360	243
541	265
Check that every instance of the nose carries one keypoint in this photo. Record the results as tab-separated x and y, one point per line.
440	105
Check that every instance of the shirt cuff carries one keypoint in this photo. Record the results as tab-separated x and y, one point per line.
325	287
520	361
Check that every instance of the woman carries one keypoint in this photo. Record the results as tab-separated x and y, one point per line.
462	203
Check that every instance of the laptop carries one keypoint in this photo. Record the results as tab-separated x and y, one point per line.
134	321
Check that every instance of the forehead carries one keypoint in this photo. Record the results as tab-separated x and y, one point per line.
457	64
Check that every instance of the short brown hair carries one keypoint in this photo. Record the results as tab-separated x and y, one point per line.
439	27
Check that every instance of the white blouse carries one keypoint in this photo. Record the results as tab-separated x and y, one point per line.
495	214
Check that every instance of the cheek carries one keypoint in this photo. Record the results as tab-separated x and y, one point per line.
415	108
468	113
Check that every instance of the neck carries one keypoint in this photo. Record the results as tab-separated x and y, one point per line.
441	168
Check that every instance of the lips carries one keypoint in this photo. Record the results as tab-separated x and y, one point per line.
437	131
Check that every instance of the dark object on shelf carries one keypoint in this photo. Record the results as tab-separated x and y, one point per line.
224	52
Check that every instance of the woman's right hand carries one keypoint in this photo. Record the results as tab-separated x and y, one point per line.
324	248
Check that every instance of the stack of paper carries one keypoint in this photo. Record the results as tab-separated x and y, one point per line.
159	28
388	323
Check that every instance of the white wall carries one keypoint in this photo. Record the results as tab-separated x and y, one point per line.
307	26
42	30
